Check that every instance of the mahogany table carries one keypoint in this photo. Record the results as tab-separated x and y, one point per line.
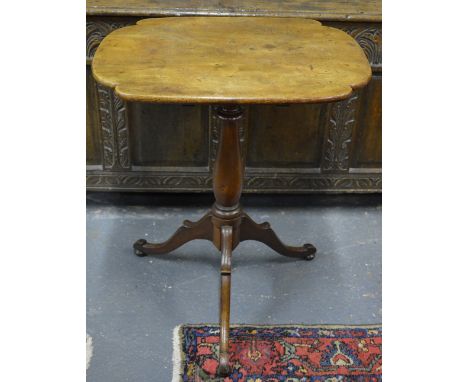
228	62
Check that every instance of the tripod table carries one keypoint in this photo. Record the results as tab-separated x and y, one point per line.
228	62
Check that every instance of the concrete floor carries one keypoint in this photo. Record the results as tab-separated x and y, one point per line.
134	303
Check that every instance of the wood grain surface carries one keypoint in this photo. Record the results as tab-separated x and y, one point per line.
230	60
337	10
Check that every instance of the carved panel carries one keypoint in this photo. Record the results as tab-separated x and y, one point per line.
114	129
150	181
285	136
313	182
253	182
168	135
366	151
339	135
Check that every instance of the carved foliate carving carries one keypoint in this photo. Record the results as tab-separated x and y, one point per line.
114	129
339	132
121	129
153	181
96	30
314	182
370	40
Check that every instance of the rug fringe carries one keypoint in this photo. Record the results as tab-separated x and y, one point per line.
176	354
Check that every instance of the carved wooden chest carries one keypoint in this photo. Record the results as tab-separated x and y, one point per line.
333	147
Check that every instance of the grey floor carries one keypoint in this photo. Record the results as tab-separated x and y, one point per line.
134	303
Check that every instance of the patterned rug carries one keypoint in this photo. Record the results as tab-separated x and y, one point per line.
286	353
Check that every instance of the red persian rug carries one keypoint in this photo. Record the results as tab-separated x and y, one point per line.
285	353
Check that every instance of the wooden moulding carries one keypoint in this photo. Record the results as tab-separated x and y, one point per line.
333	10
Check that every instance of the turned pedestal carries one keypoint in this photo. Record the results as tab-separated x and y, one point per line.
229	62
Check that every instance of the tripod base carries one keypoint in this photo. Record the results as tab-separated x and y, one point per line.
203	229
225	233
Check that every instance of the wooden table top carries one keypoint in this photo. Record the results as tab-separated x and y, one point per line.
252	60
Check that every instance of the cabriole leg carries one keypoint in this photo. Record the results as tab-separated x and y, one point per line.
202	229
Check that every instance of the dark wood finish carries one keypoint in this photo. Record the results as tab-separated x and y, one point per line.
263	233
226	224
168	135
202	229
225	301
367	136
284	130
93	136
228	170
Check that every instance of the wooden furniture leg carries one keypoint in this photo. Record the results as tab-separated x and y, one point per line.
249	230
202	229
228	174
225	300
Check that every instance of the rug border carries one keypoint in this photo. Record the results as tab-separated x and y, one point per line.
178	356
